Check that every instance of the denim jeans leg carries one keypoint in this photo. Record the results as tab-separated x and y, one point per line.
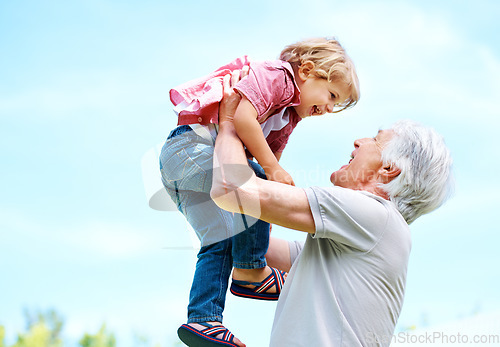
208	291
250	246
213	267
186	165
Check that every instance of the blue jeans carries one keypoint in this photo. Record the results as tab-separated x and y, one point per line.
227	240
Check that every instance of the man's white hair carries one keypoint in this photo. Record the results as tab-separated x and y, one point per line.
426	178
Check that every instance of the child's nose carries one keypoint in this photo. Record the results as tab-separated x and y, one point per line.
329	107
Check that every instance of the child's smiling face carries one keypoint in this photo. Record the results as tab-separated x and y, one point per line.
317	95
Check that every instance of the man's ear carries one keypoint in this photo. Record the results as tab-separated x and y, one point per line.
388	173
305	69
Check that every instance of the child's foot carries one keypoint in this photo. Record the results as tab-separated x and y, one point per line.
264	283
253	275
204	335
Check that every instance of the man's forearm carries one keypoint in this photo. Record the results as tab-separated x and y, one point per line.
228	146
231	172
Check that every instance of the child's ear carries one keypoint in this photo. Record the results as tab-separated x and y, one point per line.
306	69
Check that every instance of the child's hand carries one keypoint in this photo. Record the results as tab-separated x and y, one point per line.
277	174
230	98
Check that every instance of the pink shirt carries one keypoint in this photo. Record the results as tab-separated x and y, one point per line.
270	86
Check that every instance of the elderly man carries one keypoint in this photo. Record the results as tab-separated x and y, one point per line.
346	288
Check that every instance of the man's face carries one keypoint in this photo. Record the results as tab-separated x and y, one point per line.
366	165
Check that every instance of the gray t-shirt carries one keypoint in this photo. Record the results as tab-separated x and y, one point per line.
347	286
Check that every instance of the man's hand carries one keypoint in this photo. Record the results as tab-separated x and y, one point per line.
230	98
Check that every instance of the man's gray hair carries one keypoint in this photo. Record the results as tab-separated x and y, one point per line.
426	178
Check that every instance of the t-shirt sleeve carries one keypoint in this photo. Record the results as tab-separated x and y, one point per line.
347	217
267	86
295	248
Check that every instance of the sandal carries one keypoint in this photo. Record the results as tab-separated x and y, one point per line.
276	278
206	337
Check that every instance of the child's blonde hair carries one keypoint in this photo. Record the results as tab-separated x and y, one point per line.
330	60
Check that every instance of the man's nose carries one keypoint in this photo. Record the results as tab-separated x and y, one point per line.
359	142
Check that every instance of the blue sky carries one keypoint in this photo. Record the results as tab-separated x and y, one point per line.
84	95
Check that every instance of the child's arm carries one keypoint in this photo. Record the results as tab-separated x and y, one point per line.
249	131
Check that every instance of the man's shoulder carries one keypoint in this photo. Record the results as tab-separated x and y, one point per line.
338	203
341	192
347	194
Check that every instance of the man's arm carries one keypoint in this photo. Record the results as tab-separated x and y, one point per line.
236	188
278	254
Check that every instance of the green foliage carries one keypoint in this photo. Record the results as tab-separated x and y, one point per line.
43	330
39	335
101	339
2	336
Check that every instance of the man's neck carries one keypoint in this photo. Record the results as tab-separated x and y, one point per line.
373	188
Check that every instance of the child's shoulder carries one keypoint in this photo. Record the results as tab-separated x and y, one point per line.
276	64
276	68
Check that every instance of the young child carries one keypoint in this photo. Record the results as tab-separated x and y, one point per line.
312	77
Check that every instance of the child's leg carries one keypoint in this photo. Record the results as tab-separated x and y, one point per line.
186	167
213	267
252	278
210	282
250	246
